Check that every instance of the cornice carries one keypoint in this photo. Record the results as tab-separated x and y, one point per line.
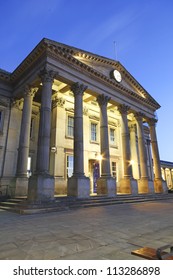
4	75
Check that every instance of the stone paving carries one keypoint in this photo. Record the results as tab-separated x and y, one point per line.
100	233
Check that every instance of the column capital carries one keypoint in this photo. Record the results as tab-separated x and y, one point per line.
152	122
139	116
30	91
103	99
46	75
132	127
123	108
78	89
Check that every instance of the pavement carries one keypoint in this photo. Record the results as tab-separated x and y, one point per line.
95	233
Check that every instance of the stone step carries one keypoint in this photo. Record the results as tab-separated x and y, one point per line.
20	205
29	211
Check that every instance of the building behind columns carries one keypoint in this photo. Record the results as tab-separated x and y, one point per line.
73	122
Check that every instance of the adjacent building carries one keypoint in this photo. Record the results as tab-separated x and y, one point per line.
76	123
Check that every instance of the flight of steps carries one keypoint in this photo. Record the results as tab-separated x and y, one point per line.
21	206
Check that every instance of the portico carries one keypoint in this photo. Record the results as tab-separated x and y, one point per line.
75	106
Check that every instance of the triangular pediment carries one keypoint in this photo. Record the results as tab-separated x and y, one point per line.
102	67
95	66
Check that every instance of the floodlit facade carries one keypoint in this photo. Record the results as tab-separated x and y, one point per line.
167	173
76	123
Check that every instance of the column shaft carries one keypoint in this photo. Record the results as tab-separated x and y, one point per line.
134	152
78	185
155	150
43	150
78	90
104	137
141	146
123	109
23	150
106	185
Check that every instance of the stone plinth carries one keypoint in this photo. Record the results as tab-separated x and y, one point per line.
158	186
128	186
78	187
151	187
164	186
106	186
41	188
143	185
21	188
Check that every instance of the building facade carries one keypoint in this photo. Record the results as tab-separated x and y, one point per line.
167	173
76	123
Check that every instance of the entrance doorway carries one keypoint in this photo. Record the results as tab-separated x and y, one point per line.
94	169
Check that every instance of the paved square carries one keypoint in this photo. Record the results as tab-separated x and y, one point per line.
106	232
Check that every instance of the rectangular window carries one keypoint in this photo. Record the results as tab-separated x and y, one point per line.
70	126
93	132
114	169
112	136
69	166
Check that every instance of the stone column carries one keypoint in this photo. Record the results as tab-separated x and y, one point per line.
105	184
41	185
143	185
127	183
78	185
24	140
156	158
134	152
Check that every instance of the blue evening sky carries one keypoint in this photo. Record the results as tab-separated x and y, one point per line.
141	29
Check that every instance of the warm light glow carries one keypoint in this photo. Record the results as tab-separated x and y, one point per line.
98	156
132	162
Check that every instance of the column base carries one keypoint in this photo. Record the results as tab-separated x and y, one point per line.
78	187
128	186
151	186
106	186
143	186
21	188
158	188
41	188
164	186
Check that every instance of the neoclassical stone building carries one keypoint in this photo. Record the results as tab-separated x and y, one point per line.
76	123
167	173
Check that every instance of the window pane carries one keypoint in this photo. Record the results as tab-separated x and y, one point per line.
70	130
114	169
112	135
69	166
93	132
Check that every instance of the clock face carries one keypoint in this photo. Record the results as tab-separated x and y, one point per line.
117	75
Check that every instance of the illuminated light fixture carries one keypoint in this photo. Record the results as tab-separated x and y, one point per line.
53	149
132	162
98	156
